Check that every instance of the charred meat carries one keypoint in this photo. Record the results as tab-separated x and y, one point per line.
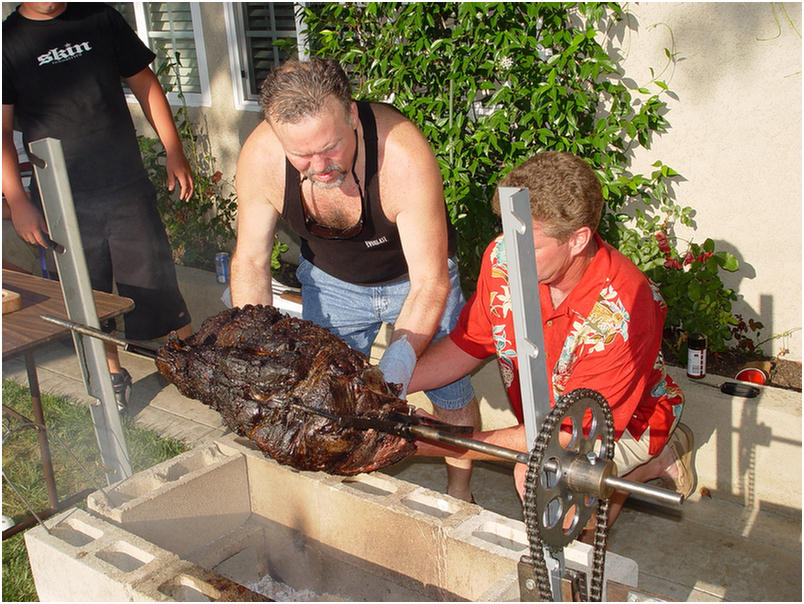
258	368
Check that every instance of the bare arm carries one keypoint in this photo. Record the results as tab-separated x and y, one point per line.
154	104
256	222
26	218
413	197
442	363
512	437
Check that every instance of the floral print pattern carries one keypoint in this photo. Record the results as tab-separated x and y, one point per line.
603	328
607	320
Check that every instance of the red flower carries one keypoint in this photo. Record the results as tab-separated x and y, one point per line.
216	177
661	238
672	263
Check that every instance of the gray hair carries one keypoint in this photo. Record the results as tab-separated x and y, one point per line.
298	89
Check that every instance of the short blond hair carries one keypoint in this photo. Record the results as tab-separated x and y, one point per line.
565	193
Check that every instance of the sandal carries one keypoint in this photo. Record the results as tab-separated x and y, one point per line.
682	446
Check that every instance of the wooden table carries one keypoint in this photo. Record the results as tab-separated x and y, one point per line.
23	332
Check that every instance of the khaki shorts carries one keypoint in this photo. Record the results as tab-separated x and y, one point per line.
630	453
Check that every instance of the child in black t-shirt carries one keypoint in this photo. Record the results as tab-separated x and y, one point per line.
62	70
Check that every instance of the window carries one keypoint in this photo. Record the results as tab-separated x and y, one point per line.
252	28
168	28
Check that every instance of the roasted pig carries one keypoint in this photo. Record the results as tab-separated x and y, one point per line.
260	368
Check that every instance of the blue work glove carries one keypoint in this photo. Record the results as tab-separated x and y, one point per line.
398	362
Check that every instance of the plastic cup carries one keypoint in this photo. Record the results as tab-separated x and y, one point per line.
752	374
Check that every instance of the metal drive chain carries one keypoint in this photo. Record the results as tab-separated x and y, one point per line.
531	511
602	516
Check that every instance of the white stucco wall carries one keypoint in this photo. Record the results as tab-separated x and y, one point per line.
735	137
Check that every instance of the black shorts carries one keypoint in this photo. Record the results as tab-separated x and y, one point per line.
125	242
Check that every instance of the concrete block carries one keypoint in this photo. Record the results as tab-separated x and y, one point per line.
746	448
241	555
386	506
484	535
432	504
506	589
353	516
226	510
507	539
182	581
286	496
84	558
388	534
181	503
335	522
430	548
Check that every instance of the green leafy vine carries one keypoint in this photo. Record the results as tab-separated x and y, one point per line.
490	84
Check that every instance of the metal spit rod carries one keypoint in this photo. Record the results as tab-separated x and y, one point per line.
635	488
101	335
426	432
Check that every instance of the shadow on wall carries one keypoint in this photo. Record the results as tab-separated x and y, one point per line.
741	459
736	36
733	281
744	437
765	314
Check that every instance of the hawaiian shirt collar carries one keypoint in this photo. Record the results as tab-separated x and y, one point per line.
584	295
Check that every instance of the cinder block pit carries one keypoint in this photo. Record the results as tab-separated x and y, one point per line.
222	522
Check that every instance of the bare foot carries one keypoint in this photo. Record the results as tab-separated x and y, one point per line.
668	462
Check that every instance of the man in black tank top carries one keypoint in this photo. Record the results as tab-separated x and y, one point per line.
361	187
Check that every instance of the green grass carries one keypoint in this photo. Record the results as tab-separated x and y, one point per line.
70	423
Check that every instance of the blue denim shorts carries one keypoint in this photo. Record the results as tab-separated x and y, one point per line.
355	313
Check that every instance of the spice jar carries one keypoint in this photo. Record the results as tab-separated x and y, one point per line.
696	356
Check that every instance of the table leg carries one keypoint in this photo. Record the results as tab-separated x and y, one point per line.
41	431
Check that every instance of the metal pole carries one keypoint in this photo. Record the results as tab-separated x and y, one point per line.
41	431
302	43
57	200
527	313
525	306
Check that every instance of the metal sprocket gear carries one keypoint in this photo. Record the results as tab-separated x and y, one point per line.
558	493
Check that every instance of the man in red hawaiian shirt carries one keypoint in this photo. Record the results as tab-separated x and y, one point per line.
602	321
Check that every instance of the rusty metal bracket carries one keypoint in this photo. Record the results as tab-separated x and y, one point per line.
528	580
573	586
